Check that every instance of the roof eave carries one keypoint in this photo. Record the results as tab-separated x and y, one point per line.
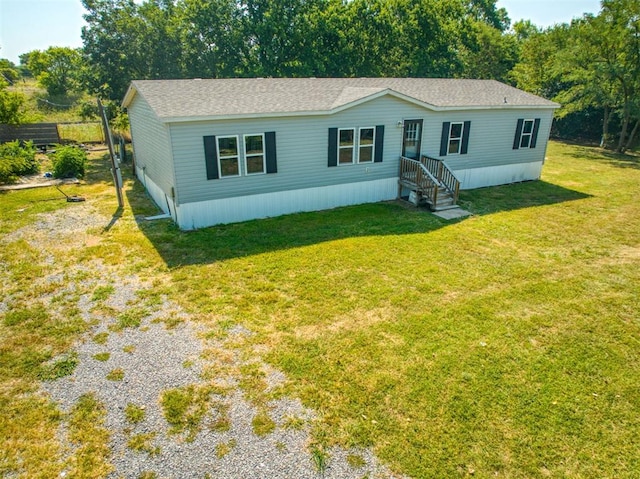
128	97
287	114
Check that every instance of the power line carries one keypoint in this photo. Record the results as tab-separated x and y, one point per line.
54	104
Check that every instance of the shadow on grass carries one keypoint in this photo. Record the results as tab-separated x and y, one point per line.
516	196
99	169
583	152
396	218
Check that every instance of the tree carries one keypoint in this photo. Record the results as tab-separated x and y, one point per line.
211	38
602	65
58	69
12	110
8	70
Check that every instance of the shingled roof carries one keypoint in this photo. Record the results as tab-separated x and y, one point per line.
179	100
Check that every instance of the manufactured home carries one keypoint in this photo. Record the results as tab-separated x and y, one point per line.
229	150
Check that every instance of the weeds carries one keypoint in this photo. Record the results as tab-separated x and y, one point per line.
262	423
184	408
134	414
143	443
224	448
102	356
115	374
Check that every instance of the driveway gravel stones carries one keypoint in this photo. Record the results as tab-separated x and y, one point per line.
156	358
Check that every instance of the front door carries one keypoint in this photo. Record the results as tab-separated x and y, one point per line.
411	139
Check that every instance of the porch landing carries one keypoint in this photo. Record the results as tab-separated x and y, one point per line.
452	213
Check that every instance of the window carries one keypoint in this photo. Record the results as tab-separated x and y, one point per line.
222	155
228	156
366	142
346	145
526	133
254	157
455	138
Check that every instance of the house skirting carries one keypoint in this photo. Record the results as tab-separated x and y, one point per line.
201	214
498	175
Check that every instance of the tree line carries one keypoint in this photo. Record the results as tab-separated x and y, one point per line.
591	66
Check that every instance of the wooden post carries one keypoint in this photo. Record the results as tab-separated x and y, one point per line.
115	166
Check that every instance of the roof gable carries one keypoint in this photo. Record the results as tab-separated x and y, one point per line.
187	100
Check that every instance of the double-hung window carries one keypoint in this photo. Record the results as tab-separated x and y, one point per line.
455	138
527	133
366	142
346	145
228	156
254	156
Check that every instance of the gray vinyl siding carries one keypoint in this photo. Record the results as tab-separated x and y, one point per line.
151	144
302	147
490	139
301	151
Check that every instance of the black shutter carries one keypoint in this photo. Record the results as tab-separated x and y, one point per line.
534	135
444	139
211	157
516	140
333	147
270	151
465	138
379	144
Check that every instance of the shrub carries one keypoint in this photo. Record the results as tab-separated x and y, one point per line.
69	162
17	159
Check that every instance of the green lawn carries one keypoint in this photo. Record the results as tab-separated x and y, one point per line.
506	344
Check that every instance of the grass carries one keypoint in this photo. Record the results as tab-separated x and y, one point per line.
132	318
101	338
134	414
224	448
479	344
90	438
115	374
143	443
506	344
184	409
81	132
262	423
356	461
102	356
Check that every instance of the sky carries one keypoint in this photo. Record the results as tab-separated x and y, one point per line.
27	25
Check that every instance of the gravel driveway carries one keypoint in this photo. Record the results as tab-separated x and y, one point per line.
151	358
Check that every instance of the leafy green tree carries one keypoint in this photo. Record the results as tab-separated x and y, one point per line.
602	67
12	105
537	70
8	70
57	69
488	53
277	36
211	38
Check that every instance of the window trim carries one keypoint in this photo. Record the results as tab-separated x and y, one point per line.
220	157
353	146
529	135
459	139
251	155
372	145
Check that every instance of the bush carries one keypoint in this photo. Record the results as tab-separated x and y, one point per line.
69	162
17	159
